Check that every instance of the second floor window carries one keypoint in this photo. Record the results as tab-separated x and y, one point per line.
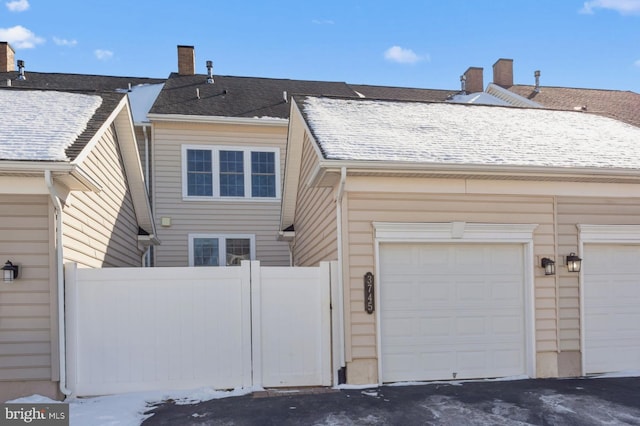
221	172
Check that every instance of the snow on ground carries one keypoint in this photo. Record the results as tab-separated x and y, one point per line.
128	409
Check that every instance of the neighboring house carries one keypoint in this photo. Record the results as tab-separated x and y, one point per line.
619	104
453	208
141	91
71	190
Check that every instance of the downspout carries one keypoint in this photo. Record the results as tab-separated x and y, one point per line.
146	157
62	338
146	257
339	195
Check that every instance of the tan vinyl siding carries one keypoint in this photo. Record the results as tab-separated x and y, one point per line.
315	223
367	207
584	210
260	218
100	229
26	305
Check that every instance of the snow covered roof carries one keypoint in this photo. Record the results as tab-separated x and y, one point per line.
41	125
455	134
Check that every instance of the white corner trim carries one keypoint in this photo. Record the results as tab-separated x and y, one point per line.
609	233
459	231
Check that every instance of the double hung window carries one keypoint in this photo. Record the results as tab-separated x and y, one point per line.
220	250
223	172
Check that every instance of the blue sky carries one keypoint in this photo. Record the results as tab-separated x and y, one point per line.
418	43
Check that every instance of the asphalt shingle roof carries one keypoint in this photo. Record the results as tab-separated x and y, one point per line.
69	82
230	96
621	105
403	93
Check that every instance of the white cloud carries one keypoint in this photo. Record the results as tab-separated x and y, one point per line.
624	7
64	42
637	63
103	55
323	21
17	5
402	55
20	37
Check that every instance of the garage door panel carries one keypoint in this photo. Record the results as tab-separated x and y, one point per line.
455	308
611	308
508	326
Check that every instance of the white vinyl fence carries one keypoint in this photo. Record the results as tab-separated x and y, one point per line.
137	329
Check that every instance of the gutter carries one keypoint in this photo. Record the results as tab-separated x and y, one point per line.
62	338
257	121
341	343
475	170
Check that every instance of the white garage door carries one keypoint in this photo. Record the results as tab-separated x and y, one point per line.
451	311
611	307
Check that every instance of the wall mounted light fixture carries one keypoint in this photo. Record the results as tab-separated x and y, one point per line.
9	271
548	265
573	262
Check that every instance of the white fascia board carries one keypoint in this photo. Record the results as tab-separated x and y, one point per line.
257	121
126	136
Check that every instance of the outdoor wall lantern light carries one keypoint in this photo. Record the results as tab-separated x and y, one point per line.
573	263
9	271
548	265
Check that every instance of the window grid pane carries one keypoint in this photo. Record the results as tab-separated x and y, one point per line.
206	252
199	173
263	174
238	249
231	174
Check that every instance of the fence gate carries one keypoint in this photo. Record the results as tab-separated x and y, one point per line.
138	329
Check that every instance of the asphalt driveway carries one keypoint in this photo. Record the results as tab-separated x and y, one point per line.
583	402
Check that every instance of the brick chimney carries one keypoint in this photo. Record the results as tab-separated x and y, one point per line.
186	60
7	57
474	80
503	72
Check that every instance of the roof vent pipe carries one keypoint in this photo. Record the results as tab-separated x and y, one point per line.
536	74
463	84
21	75
284	96
210	72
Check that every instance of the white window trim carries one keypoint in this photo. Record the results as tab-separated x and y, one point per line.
222	244
215	160
599	234
462	232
